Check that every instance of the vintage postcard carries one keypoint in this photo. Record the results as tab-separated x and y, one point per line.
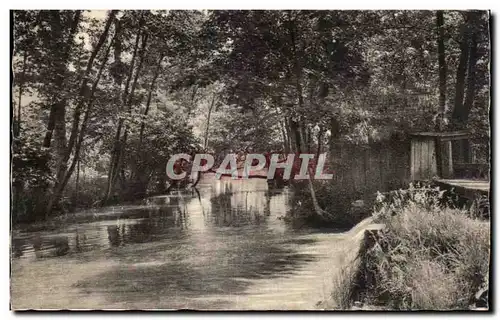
250	160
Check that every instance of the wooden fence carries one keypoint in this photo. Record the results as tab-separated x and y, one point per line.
362	170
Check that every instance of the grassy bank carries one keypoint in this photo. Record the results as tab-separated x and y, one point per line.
428	257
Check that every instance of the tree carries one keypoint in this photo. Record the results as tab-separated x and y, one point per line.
118	95
442	66
62	173
246	44
60	49
475	24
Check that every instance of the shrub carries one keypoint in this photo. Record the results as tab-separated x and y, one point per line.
430	256
333	199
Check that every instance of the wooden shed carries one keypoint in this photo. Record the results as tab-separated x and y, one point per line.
432	154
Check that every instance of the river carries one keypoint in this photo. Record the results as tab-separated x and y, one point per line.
228	246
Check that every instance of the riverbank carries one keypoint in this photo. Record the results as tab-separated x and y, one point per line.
428	256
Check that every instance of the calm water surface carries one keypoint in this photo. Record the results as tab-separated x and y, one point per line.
226	247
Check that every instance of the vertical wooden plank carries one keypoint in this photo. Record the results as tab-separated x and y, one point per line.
418	156
423	159
417	161
447	160
405	158
450	162
432	159
427	159
425	153
438	146
430	149
413	160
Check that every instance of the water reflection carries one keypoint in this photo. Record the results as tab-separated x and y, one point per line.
239	205
42	247
183	244
115	239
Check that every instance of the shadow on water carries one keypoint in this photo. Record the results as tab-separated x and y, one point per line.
180	278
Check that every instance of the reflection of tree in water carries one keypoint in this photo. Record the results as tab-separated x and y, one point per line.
114	236
179	264
152	223
81	242
43	247
133	225
240	208
179	268
17	247
157	223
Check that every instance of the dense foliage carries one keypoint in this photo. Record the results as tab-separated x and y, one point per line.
105	97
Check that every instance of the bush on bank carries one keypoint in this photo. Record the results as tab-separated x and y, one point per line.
331	198
429	256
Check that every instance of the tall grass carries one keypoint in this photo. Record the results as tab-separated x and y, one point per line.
343	284
430	256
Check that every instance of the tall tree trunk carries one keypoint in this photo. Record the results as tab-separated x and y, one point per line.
288	133
129	101
113	164
308	133
467	65
205	141
442	68
471	78
123	143
285	138
298	77
138	169
17	130
60	69
294	128
58	190
84	91
470	93
193	99
57	115
77	183
458	109
150	95
60	129
60	140
162	178
17	185
320	141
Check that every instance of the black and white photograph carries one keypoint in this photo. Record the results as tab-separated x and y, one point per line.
250	160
